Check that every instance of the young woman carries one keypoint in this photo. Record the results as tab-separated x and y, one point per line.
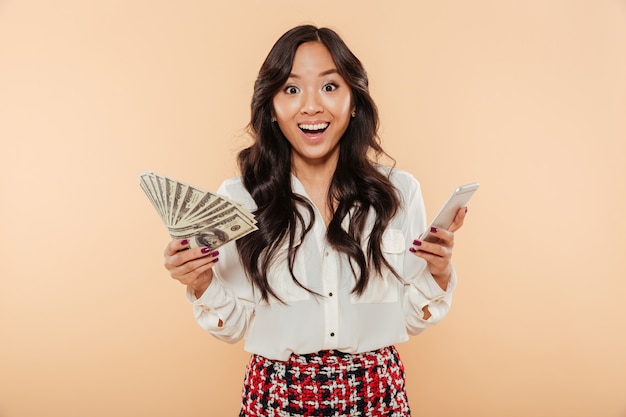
335	275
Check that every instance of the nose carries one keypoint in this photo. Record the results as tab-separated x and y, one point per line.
311	104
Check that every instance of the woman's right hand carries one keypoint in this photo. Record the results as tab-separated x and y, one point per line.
192	267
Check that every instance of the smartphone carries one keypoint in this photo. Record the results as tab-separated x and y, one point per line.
444	218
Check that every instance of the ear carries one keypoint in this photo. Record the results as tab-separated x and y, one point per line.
272	113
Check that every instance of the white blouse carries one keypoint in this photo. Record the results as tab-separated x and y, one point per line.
387	312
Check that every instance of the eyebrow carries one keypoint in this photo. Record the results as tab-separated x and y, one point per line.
321	74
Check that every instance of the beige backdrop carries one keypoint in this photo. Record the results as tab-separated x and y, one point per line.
527	97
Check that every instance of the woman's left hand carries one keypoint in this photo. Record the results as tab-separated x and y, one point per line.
439	255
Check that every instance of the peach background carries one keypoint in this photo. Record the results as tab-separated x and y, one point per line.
527	97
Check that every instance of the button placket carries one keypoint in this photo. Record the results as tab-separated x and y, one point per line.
331	302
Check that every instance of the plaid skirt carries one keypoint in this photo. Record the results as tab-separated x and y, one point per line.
326	383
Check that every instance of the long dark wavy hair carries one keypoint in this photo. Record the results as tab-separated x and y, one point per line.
356	184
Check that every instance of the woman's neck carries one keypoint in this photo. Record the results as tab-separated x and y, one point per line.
316	181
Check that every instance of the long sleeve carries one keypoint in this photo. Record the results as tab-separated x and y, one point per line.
421	289
219	303
424	291
230	296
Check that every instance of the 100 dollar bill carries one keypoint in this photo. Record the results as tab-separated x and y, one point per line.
202	217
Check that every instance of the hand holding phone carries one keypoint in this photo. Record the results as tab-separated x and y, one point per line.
444	218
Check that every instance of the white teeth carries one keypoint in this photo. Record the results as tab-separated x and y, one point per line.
317	126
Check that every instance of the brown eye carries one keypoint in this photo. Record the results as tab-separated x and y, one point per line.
290	89
329	87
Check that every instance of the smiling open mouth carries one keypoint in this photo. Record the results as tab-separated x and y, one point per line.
313	128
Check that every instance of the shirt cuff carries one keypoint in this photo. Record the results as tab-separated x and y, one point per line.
202	305
428	293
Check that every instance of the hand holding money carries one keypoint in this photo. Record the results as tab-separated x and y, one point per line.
202	217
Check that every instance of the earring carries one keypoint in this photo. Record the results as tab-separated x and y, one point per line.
353	113
273	119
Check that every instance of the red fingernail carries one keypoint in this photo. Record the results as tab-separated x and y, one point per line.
184	242
215	253
412	249
417	243
205	250
433	230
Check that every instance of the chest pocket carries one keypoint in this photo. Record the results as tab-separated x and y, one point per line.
385	288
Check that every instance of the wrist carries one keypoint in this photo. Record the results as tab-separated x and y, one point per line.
201	284
198	291
443	280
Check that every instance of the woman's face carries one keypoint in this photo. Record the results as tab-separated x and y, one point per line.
314	107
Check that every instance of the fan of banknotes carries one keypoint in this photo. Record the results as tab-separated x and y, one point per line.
202	217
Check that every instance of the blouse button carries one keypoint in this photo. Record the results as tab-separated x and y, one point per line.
332	334
330	294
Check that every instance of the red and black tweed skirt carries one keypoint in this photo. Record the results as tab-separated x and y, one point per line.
327	383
